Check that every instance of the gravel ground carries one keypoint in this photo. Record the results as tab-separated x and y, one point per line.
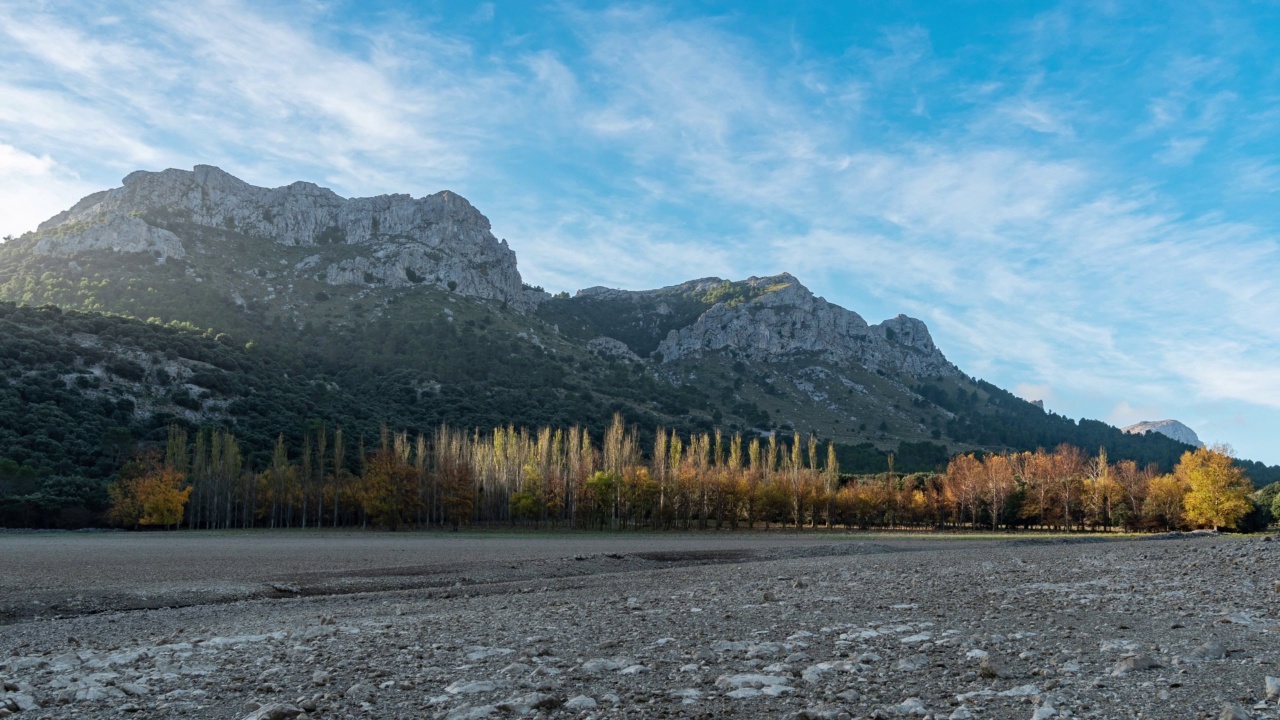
592	626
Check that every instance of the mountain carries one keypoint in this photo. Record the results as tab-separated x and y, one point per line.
1168	428
409	311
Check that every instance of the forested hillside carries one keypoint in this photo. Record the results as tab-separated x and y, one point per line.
193	298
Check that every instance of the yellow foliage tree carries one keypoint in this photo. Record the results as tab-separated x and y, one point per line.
1218	490
154	495
1164	501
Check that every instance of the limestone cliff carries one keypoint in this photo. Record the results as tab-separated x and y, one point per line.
781	317
1170	428
400	241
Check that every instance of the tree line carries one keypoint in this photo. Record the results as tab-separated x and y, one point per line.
554	477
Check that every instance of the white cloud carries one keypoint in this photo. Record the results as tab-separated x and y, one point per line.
1125	414
1032	391
1182	150
651	150
36	187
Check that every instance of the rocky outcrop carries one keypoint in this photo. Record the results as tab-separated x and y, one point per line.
118	233
783	318
612	350
1169	428
439	239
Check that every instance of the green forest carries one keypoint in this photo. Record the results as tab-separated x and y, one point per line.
84	395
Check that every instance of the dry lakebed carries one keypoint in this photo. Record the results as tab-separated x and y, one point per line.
264	625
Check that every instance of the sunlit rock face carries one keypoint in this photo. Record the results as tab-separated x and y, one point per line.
389	240
1170	428
786	319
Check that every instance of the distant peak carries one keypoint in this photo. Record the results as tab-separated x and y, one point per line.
1169	428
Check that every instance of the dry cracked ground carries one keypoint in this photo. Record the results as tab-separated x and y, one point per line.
714	625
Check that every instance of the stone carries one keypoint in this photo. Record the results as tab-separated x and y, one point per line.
961	713
528	704
992	668
581	702
1233	711
821	712
23	702
597	666
463	687
1212	650
466	712
1135	663
275	711
911	706
749	680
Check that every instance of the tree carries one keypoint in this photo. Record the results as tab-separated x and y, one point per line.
1218	493
1164	501
151	494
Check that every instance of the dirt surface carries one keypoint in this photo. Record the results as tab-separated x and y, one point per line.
348	625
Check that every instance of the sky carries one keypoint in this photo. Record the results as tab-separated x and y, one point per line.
1080	199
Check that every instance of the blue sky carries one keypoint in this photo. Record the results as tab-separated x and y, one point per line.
1080	199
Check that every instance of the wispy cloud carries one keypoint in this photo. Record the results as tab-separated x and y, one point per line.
1052	221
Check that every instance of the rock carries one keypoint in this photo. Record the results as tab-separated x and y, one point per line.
1212	650
961	713
912	663
597	666
821	712
1168	428
783	318
466	712
527	704
1135	663
22	702
438	240
910	706
274	711
462	687
1020	691
613	350
581	702
749	680
1233	711
1044	713
992	668
477	653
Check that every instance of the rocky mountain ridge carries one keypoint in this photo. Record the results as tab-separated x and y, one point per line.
784	318
399	241
396	241
415	302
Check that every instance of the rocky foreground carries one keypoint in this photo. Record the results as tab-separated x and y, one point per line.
1156	628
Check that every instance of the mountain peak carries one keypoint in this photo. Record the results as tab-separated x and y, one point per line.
439	239
778	317
1169	428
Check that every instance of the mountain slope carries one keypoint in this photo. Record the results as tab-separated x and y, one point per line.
417	301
